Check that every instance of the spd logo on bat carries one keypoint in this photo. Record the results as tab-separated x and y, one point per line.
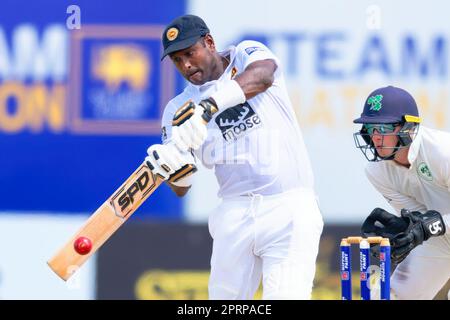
133	192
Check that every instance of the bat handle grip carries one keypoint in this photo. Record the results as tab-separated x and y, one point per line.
183	172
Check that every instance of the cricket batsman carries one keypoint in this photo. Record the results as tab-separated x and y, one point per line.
409	164
236	117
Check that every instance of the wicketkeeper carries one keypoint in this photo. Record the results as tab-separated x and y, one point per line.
409	164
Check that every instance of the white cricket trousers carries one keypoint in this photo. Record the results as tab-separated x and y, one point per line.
275	237
424	272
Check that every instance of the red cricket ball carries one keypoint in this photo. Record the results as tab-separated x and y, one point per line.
82	245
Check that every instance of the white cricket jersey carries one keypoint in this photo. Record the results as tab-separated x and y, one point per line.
255	147
425	185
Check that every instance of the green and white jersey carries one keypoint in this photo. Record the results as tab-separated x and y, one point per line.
425	185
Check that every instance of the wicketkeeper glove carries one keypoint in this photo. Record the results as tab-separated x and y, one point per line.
421	227
406	232
383	224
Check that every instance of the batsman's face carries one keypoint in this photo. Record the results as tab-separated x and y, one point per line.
385	140
196	63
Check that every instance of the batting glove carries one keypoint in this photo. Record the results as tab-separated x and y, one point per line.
189	129
166	161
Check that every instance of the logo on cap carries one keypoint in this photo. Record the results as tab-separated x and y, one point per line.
375	102
172	34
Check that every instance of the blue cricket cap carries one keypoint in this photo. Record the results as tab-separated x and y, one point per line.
182	33
389	105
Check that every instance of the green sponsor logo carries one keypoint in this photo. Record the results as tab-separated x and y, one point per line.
424	171
375	102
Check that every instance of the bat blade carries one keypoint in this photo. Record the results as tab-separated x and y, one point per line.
106	220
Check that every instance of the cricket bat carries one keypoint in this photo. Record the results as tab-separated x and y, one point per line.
108	218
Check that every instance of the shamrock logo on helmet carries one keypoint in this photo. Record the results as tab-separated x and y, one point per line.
375	102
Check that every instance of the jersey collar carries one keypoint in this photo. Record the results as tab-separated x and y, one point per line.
229	51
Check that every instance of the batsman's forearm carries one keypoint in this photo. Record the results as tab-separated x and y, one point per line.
257	77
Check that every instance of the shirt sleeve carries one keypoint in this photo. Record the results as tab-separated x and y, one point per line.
397	200
166	124
446	218
446	174
250	51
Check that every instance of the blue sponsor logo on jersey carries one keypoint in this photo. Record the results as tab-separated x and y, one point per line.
250	50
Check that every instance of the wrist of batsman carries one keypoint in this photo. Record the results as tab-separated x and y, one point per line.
228	95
